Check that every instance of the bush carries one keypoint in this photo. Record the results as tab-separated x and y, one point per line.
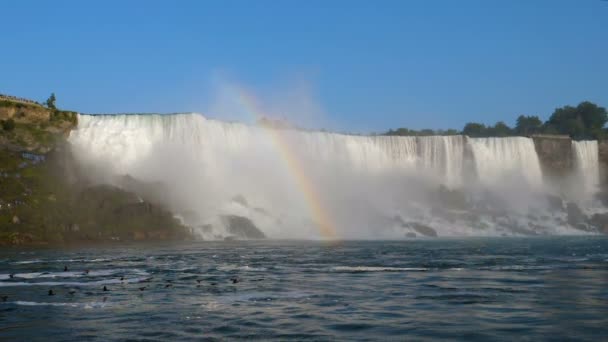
8	125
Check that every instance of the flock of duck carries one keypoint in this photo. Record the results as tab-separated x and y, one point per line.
168	284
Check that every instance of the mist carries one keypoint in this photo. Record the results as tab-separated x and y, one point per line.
285	181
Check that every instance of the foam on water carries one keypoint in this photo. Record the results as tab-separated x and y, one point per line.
89	305
377	269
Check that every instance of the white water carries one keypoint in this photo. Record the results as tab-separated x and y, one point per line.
360	182
445	155
506	161
587	166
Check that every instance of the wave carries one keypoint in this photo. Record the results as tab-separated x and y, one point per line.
73	274
40	261
354	269
241	268
75	283
89	305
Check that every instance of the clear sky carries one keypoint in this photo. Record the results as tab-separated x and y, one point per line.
361	66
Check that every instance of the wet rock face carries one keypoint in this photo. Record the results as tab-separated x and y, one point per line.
242	227
575	214
600	221
422	229
555	155
555	203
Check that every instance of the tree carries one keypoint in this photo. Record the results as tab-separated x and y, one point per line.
50	102
527	125
401	132
426	132
474	129
500	129
584	121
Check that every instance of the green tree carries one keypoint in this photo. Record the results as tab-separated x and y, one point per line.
474	129
581	122
451	131
500	129
527	125
426	132
50	102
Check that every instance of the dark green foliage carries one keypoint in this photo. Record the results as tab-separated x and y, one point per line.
8	125
420	133
64	115
500	129
474	129
527	125
585	121
50	102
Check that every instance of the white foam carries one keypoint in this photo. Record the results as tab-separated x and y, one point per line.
245	268
89	305
377	269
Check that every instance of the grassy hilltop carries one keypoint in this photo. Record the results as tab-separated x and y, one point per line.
44	198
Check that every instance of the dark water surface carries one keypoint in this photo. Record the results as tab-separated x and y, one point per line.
466	289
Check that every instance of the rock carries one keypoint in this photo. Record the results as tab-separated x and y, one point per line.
242	227
575	214
600	222
138	236
240	199
555	155
452	199
555	203
423	229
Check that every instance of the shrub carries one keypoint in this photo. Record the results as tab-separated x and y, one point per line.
8	125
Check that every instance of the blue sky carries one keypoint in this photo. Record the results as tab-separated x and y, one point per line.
362	66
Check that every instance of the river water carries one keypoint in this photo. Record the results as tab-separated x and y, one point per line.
463	289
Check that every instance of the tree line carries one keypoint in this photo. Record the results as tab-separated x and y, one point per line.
585	121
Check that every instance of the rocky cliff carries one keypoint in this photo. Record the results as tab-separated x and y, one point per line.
555	156
45	197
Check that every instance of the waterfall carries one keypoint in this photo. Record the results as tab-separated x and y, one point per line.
587	165
506	161
290	183
444	155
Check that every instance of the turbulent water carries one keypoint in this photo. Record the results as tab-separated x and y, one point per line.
587	164
289	183
466	289
506	160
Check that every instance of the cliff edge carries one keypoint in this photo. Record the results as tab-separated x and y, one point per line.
44	198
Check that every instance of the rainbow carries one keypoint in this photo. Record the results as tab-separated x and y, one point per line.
313	200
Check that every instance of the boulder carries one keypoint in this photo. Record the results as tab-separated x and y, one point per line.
423	229
242	227
600	222
575	214
555	203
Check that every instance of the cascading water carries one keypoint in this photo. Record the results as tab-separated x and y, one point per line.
299	184
587	166
444	154
506	161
